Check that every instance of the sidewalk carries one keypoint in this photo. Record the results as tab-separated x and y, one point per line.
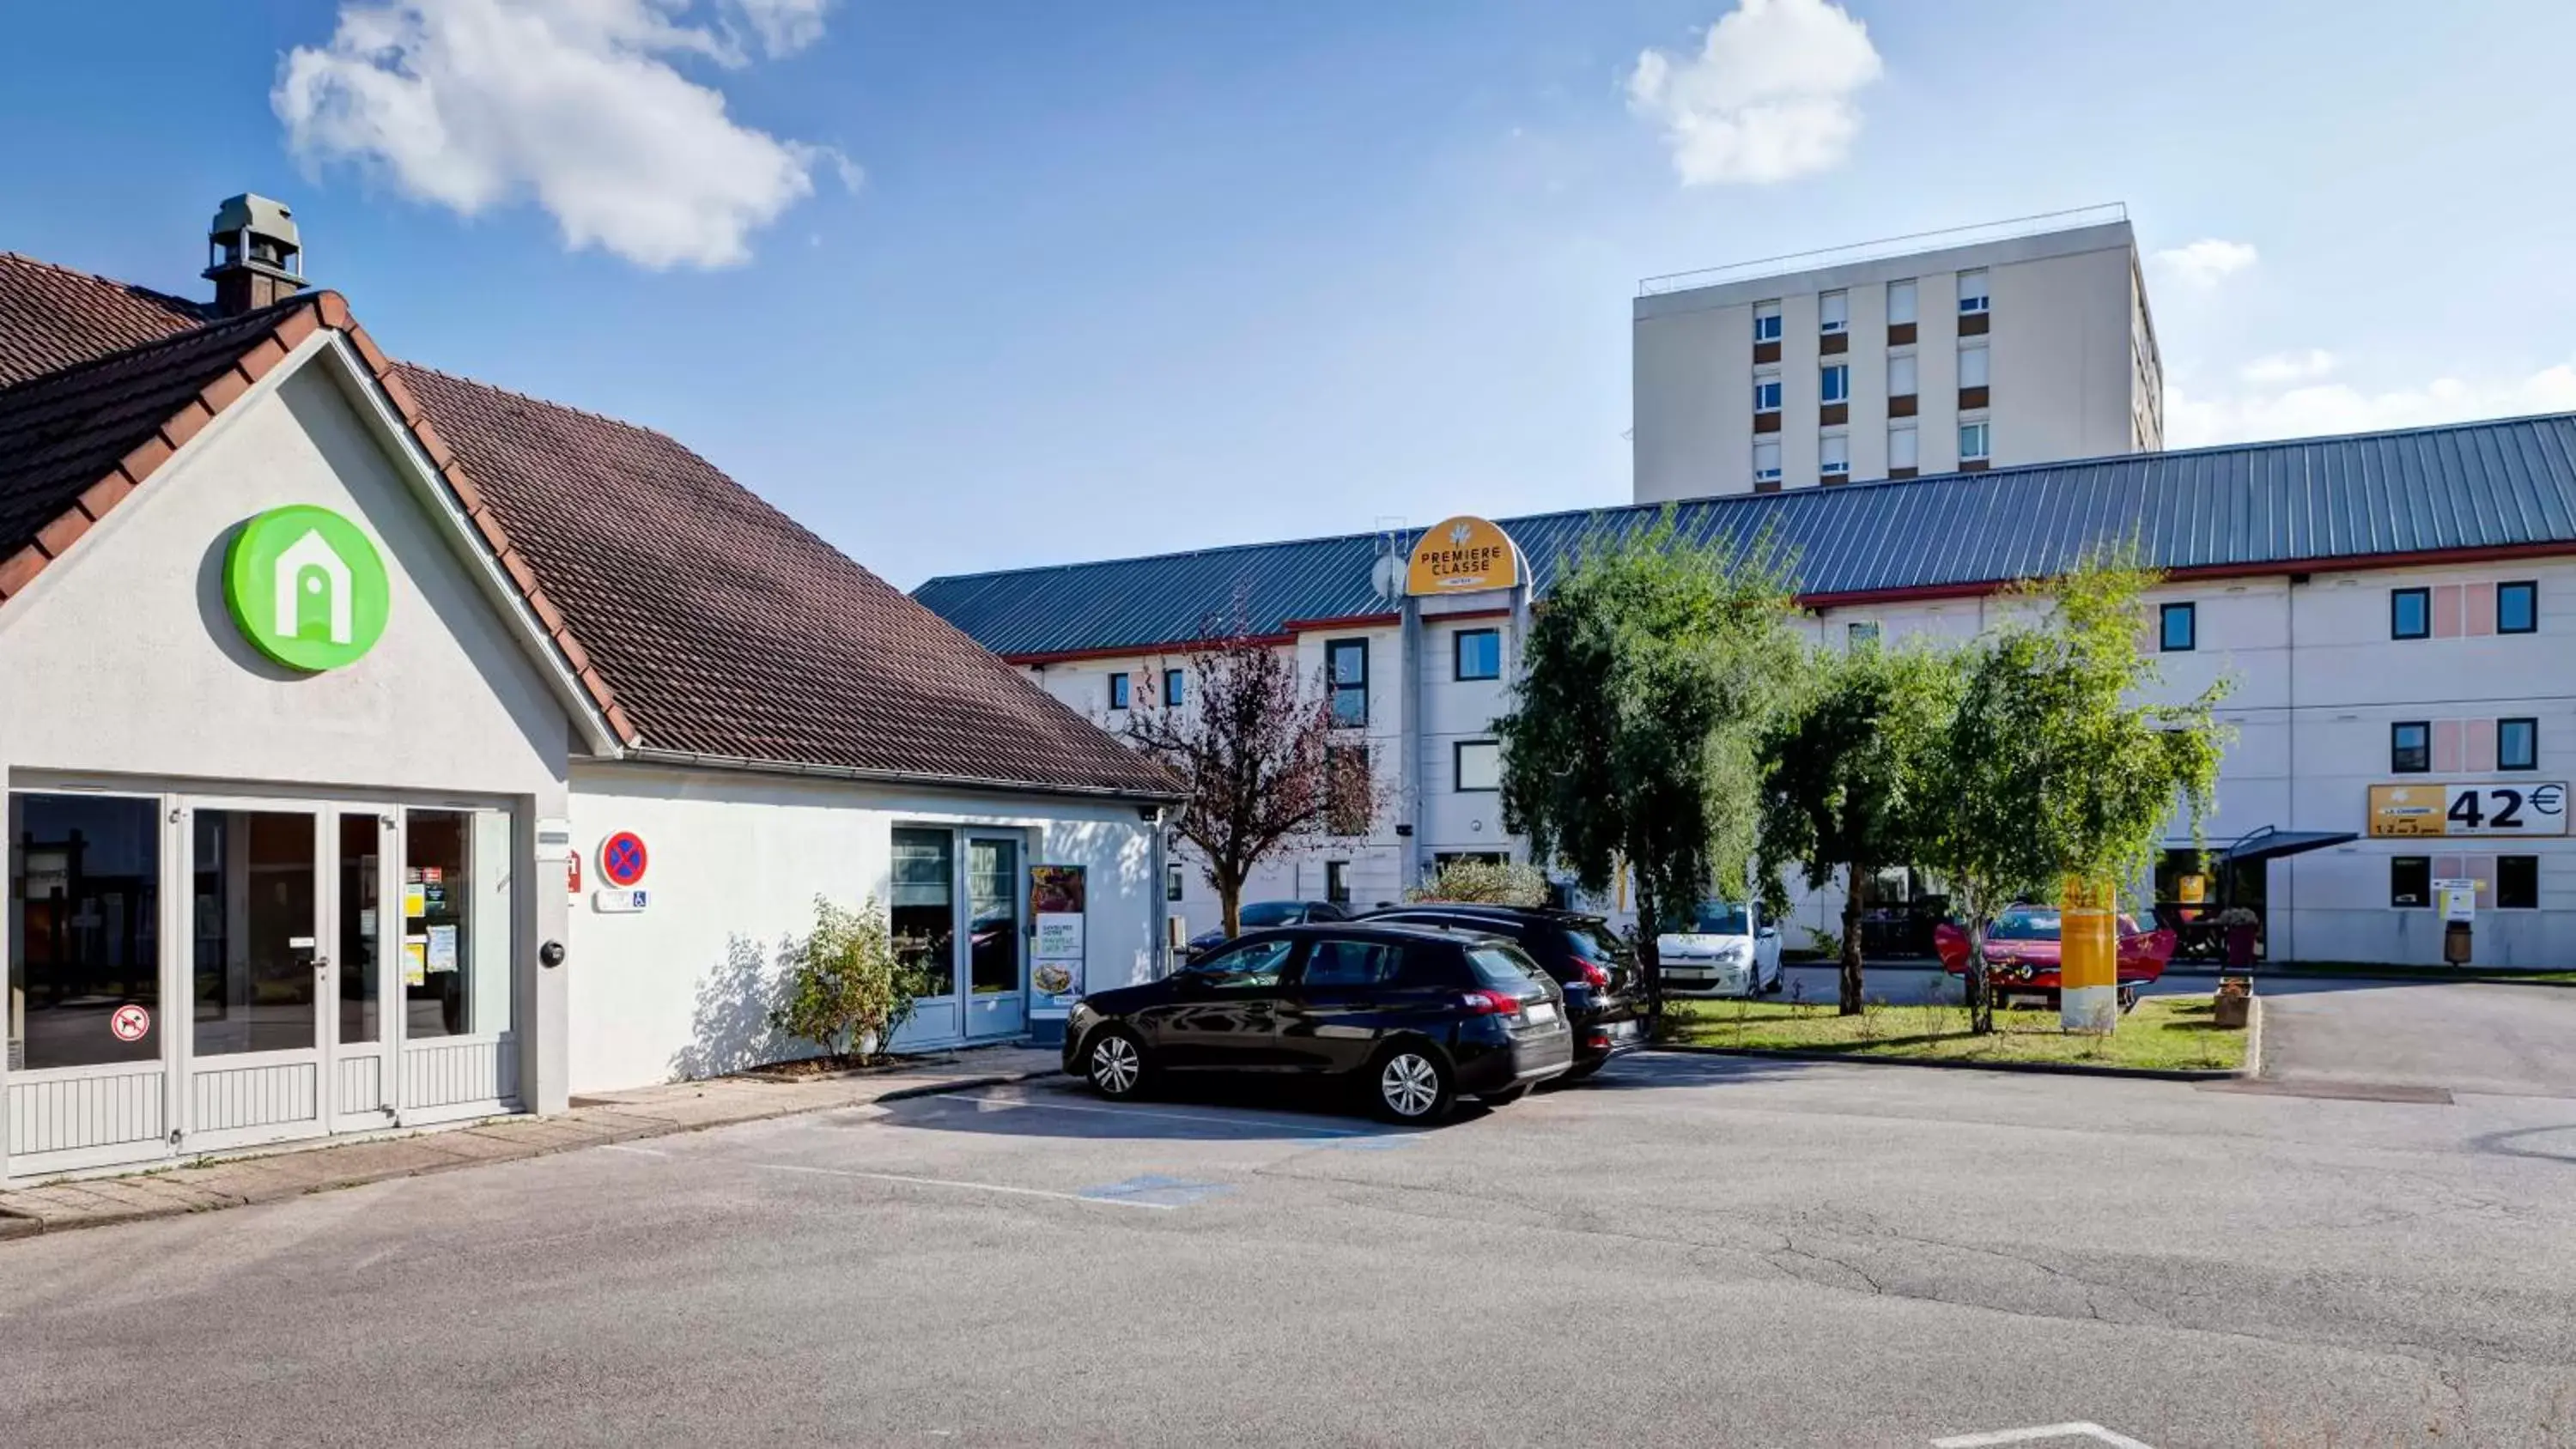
593	1121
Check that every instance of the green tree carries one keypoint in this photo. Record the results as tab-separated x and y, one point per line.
1842	775
847	990
2048	769
1648	676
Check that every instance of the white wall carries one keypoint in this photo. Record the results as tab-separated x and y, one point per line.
737	860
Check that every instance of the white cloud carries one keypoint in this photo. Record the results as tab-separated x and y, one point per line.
1769	96
2328	408
2206	262
578	105
2287	367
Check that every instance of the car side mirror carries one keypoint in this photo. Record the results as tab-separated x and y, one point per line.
1768	931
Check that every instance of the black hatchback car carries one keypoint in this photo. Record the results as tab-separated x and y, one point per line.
1417	1017
1580	953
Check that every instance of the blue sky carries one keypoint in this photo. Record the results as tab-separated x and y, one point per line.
977	286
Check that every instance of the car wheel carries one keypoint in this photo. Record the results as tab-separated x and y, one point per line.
1115	1066
1410	1084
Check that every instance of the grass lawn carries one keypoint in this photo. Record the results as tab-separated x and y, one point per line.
2164	1033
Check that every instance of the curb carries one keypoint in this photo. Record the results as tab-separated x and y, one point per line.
2252	1066
16	1225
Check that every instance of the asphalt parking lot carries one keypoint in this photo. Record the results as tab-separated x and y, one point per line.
1688	1251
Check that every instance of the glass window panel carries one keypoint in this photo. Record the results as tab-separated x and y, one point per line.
1972	441
1176	687
2517	883
993	903
1766	394
1118	691
923	909
2410	613
2410	880
490	961
456	949
2517	744
1766	321
1833	311
2518	608
2410	748
254	922
1972	291
1352	963
2180	628
1860	634
1837	383
358	953
1766	460
1254	964
1480	765
1480	654
84	928
1346	665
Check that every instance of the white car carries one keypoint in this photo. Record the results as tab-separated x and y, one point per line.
1726	952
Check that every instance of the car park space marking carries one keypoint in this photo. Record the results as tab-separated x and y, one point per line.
1156	1190
1087	1196
635	1151
1106	1110
2040	1434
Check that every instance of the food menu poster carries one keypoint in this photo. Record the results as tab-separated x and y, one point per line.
1057	900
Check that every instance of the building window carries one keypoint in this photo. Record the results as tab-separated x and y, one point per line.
1972	292
1900	302
1833	454
2410	881
1901	449
1972	366
1766	321
1118	691
1171	883
1176	688
1346	671
460	862
1837	383
2410	614
1477	654
1833	311
2410	747
1479	765
2517	744
1973	440
1900	375
84	930
1860	634
1766	460
1766	392
1337	882
2517	883
2178	628
1349	809
2518	608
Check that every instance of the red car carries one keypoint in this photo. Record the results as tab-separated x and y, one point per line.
2021	953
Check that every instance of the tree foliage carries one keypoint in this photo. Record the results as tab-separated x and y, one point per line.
1842	773
847	990
1484	883
1267	771
2048	769
1631	740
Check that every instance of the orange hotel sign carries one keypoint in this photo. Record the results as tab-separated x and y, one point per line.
1462	555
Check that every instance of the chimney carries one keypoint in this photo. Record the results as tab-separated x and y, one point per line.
252	254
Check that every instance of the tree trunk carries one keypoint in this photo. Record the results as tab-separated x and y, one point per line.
1851	985
1229	904
1981	998
1650	961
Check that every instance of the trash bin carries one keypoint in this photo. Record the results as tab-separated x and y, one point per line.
2240	947
2455	942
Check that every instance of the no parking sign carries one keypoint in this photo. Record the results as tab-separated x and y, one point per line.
622	859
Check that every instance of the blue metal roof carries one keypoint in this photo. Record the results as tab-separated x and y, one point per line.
2508	485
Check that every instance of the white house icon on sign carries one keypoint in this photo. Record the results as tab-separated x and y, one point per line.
310	566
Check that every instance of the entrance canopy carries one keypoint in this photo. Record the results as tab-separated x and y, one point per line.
2272	843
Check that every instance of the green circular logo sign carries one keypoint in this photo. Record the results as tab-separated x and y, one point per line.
307	588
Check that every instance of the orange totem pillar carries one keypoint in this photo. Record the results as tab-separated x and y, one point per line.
2088	957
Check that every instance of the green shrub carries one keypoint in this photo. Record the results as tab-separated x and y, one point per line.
846	991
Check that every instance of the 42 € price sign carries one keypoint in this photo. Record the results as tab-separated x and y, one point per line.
2482	808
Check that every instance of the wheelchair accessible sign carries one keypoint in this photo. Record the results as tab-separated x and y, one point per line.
307	588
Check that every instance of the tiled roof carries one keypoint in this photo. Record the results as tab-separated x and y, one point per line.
703	622
2494	488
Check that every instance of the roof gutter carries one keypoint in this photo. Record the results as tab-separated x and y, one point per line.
695	760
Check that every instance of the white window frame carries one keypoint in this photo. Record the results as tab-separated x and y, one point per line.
1827	445
1913	374
1458	752
1766	321
1982	300
1829	387
1828	305
1771	381
1760	473
1899	313
1985	364
1985	437
1913	451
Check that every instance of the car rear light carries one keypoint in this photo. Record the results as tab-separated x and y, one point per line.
1491	1003
1594	973
1599	1039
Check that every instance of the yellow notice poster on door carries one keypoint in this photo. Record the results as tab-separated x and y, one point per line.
415	960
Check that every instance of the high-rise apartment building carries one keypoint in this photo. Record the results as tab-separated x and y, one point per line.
2022	342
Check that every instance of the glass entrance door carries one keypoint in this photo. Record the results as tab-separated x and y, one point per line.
362	1027
258	974
996	1002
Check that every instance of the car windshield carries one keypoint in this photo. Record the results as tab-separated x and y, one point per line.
1503	967
1272	913
2025	925
1717	918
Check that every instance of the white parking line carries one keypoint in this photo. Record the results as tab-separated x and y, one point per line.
2094	1432
1160	1207
1109	1111
638	1151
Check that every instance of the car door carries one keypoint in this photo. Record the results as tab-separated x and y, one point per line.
1332	1016
1223	1014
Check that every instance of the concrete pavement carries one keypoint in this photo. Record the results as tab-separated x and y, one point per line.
1690	1251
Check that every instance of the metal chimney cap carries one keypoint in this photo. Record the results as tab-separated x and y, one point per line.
256	214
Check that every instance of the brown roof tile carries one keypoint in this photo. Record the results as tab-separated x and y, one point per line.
699	619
